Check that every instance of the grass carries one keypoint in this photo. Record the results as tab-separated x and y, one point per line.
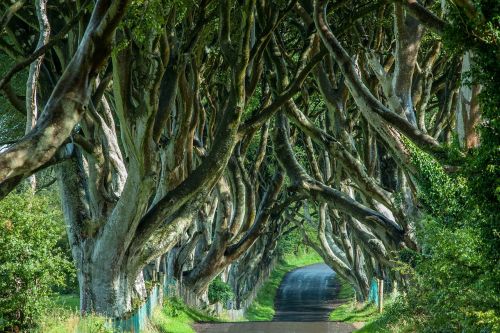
63	316
176	317
262	308
389	321
352	312
374	327
66	321
173	317
68	302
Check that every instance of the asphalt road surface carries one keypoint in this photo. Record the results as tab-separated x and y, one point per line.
306	294
305	298
275	327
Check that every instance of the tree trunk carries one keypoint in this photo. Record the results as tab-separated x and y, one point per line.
468	114
107	292
106	284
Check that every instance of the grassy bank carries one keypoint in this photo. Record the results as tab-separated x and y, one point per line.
352	312
262	308
176	317
173	317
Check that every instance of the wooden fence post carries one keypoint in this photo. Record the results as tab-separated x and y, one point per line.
154	276
380	295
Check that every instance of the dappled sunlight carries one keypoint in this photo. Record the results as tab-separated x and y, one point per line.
243	165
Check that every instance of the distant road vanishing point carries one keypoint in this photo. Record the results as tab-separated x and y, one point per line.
303	302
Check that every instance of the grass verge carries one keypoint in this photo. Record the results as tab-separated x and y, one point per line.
262	308
176	317
352	312
173	317
390	320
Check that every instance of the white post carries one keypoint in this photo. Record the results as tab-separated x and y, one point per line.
380	295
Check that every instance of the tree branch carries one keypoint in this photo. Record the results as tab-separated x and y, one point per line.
70	96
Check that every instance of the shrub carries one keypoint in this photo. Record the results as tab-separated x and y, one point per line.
219	291
30	261
452	288
454	280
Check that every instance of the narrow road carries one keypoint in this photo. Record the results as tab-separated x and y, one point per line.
306	294
275	327
303	302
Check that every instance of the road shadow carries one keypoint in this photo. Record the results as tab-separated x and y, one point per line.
275	327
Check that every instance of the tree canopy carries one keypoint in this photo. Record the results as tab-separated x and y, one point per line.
201	132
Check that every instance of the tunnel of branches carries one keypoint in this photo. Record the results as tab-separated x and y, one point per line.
189	137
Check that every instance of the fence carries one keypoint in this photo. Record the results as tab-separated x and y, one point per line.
170	287
137	321
373	295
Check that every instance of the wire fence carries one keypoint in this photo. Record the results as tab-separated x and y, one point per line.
169	287
373	295
138	319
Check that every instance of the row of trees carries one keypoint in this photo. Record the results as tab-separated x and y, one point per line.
202	132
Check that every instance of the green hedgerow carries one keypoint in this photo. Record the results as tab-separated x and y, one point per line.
219	291
30	261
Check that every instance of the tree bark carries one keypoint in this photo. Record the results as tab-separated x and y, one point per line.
69	98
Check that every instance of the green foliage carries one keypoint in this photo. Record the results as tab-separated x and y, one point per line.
146	19
454	281
351	311
457	278
219	291
12	122
174	307
69	322
176	317
452	284
253	104
94	324
346	291
67	301
166	323
391	320
355	312
441	194
292	243
30	262
62	315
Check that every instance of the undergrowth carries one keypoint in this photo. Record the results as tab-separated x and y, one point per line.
177	317
173	317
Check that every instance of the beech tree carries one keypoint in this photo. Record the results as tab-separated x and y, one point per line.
142	137
204	131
